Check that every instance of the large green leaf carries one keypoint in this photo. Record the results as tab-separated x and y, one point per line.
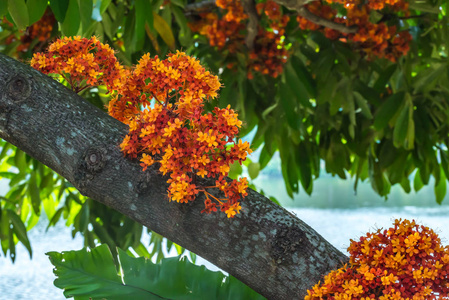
142	11
289	104
33	191
404	130
164	30
19	13
86	8
72	19
388	109
296	86
36	9
384	77
92	274
440	188
59	9
19	230
3	8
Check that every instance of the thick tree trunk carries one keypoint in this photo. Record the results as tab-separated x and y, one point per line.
265	246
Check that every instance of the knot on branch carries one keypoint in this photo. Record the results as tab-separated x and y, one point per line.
19	88
288	239
95	159
91	163
143	183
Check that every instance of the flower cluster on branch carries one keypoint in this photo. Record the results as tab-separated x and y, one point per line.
374	39
407	261
227	31
162	103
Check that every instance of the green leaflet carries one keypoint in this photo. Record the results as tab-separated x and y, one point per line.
3	8
253	170
86	8
440	188
164	30
404	130
59	9
36	9
388	109
19	230
384	78
92	274
72	19
19	13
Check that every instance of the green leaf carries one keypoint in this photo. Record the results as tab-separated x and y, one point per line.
20	230
253	170
264	157
141	12
33	191
86	8
104	5
19	13
417	182
427	80
303	162
235	170
59	9
296	86
55	218
363	105
388	109
72	19
164	30
20	161
36	9
84	217
3	8
440	188
12	245
384	78
289	105
444	162
89	274
404	129
92	274
304	76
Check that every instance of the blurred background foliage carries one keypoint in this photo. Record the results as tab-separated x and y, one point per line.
318	97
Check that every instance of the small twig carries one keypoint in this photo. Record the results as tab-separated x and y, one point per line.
251	28
298	6
304	12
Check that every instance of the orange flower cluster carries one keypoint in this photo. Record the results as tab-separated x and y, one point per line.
162	103
173	130
82	63
406	261
268	55
375	39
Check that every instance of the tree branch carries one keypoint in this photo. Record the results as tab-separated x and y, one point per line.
265	246
199	7
251	28
298	6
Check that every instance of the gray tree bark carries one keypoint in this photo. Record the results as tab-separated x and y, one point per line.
266	247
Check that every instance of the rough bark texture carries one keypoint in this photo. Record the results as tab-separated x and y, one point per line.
265	246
